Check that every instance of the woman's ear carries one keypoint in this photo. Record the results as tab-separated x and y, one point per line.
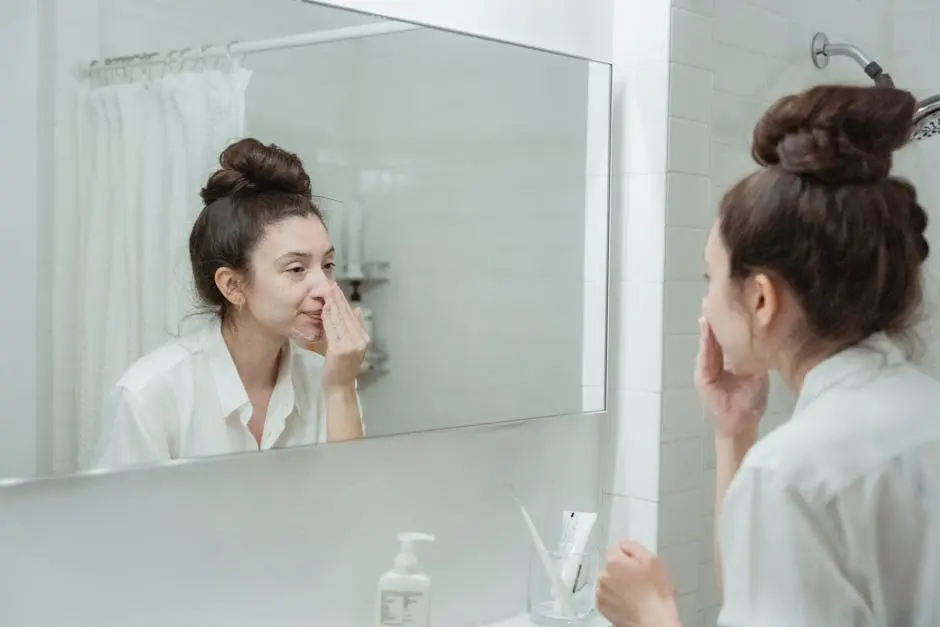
763	301
230	284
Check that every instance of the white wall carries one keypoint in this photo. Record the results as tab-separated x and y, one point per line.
295	538
21	235
301	535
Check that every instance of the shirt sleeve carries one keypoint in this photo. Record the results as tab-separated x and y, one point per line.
126	439
781	564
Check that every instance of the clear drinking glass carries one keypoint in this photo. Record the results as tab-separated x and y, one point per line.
579	571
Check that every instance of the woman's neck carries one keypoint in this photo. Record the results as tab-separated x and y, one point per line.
256	354
793	365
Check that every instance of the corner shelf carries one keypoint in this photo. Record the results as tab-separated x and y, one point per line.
372	272
374	364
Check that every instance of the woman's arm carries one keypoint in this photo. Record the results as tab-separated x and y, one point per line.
343	414
729	454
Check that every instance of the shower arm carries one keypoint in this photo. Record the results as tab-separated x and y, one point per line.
822	50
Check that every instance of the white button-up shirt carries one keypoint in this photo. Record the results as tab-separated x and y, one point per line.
834	518
185	399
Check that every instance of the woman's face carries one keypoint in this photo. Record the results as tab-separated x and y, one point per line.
726	308
291	270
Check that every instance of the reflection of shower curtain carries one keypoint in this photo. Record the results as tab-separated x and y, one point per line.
143	151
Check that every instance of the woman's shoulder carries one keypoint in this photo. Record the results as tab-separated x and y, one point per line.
162	362
842	440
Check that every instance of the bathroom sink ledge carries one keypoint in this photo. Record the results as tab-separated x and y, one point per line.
523	621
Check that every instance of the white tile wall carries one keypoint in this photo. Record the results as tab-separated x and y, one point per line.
915	40
729	60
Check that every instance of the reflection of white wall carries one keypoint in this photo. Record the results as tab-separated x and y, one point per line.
596	196
19	236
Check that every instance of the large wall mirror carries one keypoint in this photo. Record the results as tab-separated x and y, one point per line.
463	187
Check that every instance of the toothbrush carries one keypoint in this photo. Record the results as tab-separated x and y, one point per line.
559	591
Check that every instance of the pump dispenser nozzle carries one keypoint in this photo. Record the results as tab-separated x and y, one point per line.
406	562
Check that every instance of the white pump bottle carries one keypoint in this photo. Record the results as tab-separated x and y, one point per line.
404	593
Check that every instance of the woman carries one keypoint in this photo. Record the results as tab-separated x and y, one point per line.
814	262
263	263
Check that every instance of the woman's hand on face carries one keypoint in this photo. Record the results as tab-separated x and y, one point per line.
736	402
345	340
634	589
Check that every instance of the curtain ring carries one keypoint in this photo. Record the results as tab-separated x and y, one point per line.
229	54
182	59
168	62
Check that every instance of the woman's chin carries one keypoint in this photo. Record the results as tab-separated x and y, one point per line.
309	333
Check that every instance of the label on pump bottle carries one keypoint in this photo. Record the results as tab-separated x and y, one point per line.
403	608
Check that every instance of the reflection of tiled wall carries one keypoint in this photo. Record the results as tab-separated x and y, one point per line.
482	313
467	181
695	76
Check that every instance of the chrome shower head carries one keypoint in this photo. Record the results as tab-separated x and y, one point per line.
926	122
822	49
927	119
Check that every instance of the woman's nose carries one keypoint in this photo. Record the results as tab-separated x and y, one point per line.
320	285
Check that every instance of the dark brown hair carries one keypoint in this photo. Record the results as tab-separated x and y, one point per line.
825	215
256	186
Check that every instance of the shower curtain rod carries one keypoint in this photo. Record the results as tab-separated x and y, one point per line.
248	47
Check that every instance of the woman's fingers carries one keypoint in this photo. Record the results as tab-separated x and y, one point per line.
716	356
346	322
709	362
352	318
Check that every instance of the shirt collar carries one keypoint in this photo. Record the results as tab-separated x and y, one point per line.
853	366
229	387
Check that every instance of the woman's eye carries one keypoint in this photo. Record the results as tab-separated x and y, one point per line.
329	266
296	270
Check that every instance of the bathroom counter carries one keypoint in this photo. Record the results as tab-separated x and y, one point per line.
523	621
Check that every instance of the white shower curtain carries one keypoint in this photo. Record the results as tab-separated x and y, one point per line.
143	151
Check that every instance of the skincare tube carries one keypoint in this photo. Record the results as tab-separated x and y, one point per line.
576	529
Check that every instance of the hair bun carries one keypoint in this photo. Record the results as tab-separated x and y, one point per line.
249	165
836	133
